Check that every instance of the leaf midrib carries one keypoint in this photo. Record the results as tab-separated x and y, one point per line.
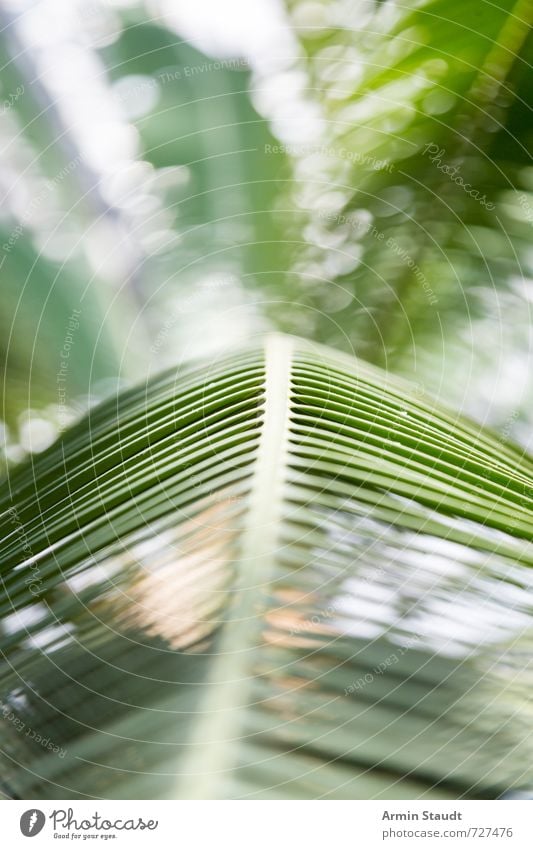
212	754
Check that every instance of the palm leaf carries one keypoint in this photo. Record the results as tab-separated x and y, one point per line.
280	574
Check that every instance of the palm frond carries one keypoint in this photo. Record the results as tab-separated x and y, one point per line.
277	574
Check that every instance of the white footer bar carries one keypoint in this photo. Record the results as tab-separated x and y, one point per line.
268	825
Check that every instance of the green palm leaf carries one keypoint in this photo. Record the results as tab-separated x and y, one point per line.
281	574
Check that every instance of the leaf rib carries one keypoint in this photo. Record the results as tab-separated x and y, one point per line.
233	673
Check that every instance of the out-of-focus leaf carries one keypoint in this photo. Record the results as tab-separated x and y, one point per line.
417	194
281	574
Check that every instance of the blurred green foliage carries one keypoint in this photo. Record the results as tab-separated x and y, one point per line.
396	224
366	182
